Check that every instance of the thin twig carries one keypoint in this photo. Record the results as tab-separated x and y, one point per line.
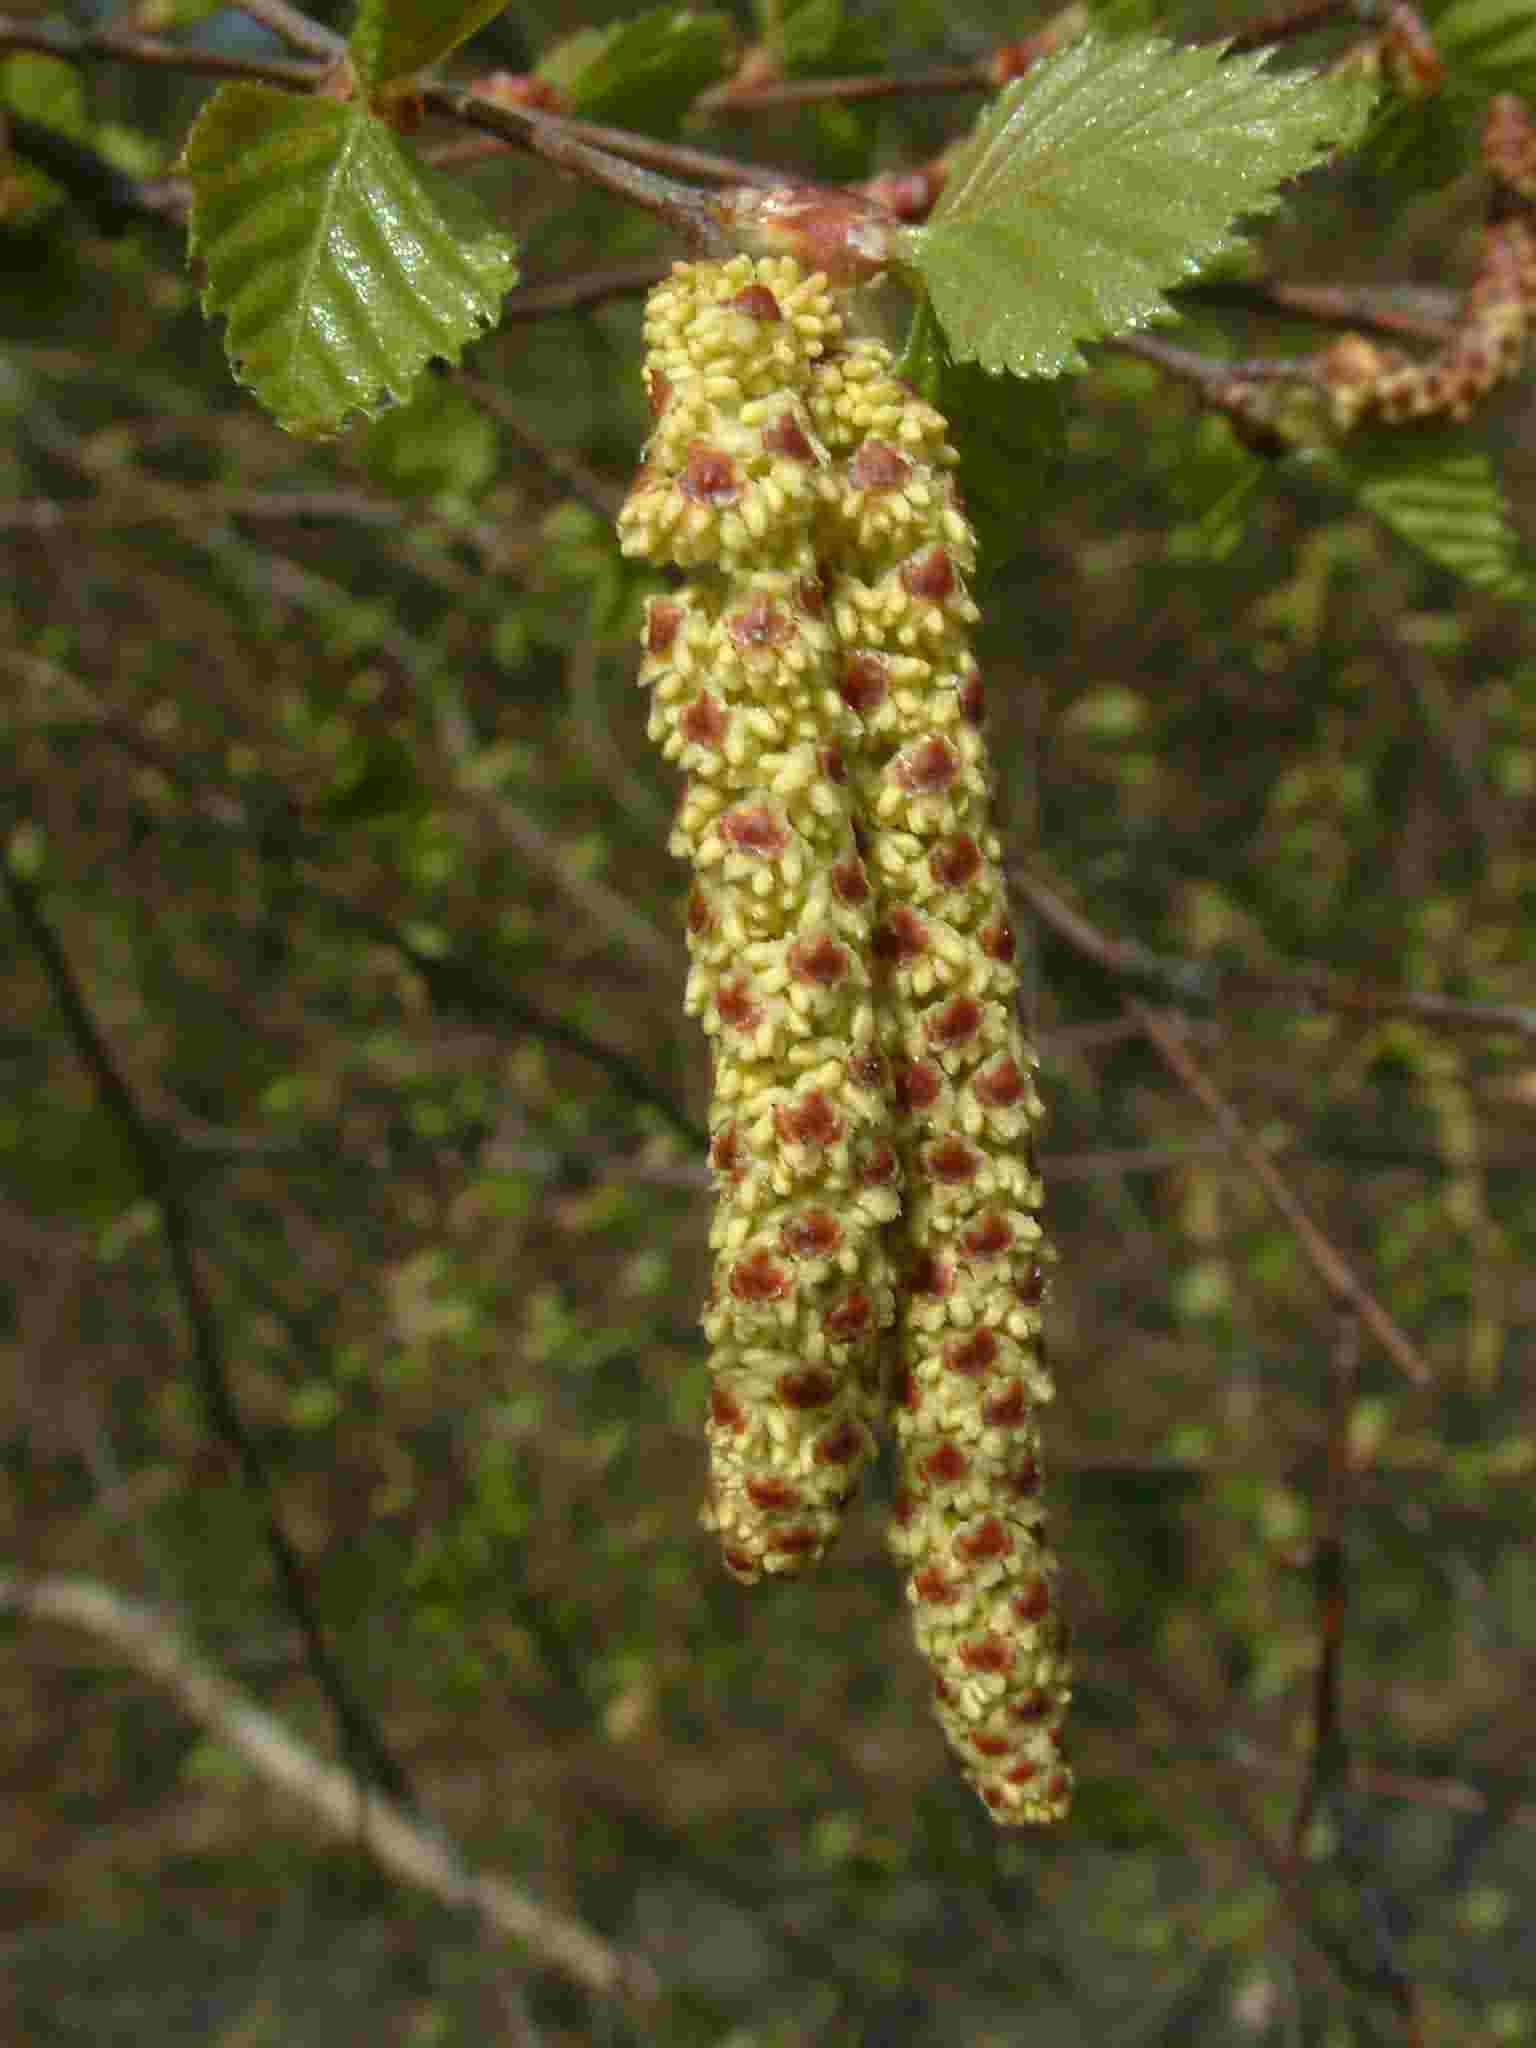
1213	373
1120	956
1419	313
114	511
576	294
604	907
1324	1257
1327	1776
569	471
1299	19
576	146
299	30
126	46
677	157
1328	1757
689	213
1061	1167
1307	986
1227	1785
607	910
452	981
775	94
458	982
109	198
680	158
363	1741
596	739
151	1643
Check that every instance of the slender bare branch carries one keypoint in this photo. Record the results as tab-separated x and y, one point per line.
128	507
1327	1756
1326	1778
688	212
682	159
1324	1257
1417	312
1313	988
569	145
1226	1779
775	94
1283	26
417	1854
569	470
458	982
362	1739
1212	373
299	30
575	294
127	46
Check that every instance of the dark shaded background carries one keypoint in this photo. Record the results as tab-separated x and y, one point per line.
326	784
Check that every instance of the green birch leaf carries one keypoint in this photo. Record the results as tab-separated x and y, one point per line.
1128	17
1490	41
1424	142
44	89
393	38
807	35
816	36
155	16
341	265
440	444
1440	493
644	73
48	91
1109	173
49	118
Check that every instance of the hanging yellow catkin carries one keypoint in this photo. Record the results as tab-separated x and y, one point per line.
742	666
896	549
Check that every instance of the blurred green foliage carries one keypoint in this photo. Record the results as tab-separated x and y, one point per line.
326	769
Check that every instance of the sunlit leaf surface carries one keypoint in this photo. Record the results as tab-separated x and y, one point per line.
1107	175
341	265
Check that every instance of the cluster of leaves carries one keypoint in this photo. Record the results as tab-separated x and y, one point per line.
1109	173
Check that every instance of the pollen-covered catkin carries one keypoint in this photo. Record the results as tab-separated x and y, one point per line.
741	663
896	549
1364	381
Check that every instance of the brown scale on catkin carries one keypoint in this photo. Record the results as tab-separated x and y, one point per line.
896	549
742	667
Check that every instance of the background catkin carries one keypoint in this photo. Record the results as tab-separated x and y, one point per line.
742	667
1365	381
895	549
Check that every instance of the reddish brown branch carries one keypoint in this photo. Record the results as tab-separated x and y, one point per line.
777	93
1324	1257
1418	313
1328	1756
576	294
128	47
296	28
677	157
558	142
1286	24
1308	987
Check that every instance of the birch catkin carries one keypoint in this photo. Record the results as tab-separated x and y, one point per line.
1364	381
742	667
896	549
